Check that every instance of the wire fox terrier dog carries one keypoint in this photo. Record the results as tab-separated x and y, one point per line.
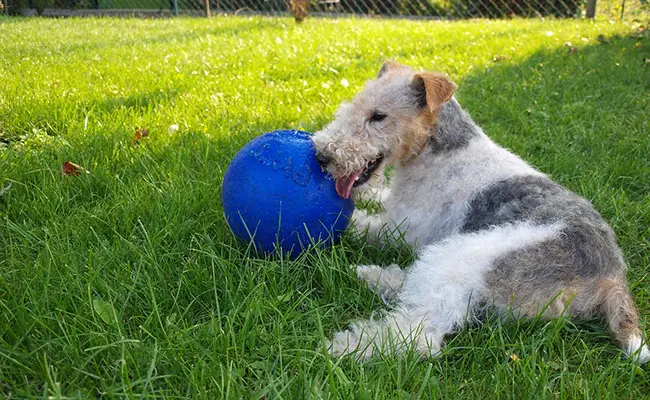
490	230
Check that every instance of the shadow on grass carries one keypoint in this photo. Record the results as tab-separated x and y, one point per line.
579	114
41	119
138	102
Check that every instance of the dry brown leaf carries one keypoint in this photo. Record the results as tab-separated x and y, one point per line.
140	133
70	168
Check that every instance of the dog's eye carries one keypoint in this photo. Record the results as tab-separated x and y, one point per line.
377	117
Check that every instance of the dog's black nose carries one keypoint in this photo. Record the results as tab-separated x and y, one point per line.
322	159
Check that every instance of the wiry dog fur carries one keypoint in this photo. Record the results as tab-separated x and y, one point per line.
490	229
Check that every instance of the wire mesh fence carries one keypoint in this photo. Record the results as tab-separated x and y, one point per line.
443	9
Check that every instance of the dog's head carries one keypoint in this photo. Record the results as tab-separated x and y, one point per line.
389	121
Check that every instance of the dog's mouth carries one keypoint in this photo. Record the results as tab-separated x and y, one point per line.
357	178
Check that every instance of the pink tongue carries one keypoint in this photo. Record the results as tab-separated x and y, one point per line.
344	185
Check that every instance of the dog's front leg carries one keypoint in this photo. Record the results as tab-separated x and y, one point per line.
386	282
403	329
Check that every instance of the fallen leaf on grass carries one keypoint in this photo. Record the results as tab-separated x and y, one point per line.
140	133
283	298
512	356
554	365
70	168
638	370
104	310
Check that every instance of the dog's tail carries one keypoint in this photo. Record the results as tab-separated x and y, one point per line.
623	320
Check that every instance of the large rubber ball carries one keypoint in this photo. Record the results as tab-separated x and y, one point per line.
276	196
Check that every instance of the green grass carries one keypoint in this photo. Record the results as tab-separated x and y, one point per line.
126	282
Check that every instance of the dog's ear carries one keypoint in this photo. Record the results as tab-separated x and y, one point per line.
432	89
390	65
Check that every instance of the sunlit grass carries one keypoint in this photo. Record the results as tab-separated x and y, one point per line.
126	282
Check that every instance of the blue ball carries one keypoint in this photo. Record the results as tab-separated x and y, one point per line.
274	194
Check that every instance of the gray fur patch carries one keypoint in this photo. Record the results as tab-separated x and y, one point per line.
586	250
527	198
518	199
454	128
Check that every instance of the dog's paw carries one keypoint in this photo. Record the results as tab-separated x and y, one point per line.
364	272
386	282
342	344
360	220
348	342
364	222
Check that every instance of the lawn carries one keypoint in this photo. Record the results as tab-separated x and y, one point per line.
126	281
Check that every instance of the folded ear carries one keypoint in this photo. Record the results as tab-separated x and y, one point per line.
390	65
432	89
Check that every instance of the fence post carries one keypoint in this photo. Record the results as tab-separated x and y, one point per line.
591	8
176	8
207	8
622	9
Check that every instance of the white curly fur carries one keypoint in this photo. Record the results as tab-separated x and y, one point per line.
447	279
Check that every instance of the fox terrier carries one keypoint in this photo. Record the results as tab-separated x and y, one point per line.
490	230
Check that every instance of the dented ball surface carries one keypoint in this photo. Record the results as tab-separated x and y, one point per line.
274	192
